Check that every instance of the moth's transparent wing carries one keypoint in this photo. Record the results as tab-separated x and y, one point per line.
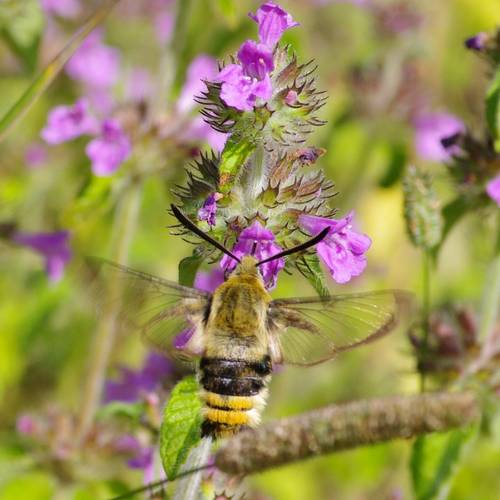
307	331
134	301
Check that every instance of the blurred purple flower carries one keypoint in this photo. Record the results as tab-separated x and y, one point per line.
108	150
342	250
272	21
359	3
25	424
164	26
476	42
35	155
207	282
139	85
243	84
208	210
65	123
94	63
203	67
430	130
54	247
258	241
493	189
199	130
63	8
132	385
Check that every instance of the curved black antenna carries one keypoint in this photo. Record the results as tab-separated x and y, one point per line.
298	248
196	230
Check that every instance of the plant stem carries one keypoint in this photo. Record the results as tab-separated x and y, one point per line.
426	306
188	487
124	225
345	426
491	294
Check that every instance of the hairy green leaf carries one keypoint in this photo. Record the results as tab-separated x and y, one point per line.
422	209
434	461
233	158
180	429
310	268
188	267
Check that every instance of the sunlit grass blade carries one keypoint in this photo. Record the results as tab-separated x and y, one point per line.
45	78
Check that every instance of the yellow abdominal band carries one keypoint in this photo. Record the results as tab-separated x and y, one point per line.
229	402
226	417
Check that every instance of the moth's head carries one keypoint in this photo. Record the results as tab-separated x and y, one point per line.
247	265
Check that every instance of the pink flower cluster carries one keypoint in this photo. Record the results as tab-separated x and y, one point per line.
248	83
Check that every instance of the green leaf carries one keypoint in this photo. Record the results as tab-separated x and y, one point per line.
422	209
95	199
310	268
131	411
45	78
397	162
229	12
180	429
21	25
434	461
188	267
33	485
234	156
493	107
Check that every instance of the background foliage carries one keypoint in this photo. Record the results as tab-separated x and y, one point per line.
378	67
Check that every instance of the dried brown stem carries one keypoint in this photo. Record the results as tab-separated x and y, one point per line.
344	426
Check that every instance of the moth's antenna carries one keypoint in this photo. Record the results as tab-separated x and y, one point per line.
196	230
298	248
161	482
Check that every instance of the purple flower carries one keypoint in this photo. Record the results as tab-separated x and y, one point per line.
203	281
108	150
25	424
209	208
493	189
430	130
201	68
35	155
54	247
63	8
258	241
68	122
199	130
272	21
132	385
342	250
476	42
139	85
243	84
95	64
164	26
143	459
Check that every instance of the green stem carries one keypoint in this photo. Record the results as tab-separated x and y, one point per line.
491	295
426	306
124	225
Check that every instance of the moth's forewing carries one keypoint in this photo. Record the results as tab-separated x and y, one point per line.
311	330
140	302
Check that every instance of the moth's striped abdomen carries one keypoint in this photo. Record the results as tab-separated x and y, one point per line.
233	394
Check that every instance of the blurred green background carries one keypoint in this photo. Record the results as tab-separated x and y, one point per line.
373	76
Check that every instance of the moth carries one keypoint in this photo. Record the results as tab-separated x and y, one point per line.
239	332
